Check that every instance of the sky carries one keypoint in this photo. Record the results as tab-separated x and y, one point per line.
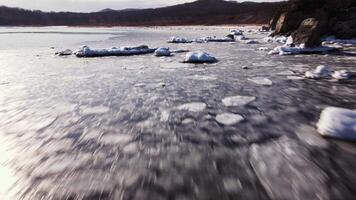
92	5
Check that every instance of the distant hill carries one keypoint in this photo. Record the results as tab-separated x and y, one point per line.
201	12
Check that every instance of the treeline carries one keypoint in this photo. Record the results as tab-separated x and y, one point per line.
201	12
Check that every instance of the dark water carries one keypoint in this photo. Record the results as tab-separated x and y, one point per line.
112	128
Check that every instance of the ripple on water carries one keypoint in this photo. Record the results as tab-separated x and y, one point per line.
229	119
238	100
193	107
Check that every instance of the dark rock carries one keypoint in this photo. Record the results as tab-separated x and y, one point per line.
310	32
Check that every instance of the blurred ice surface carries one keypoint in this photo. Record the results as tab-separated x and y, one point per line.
109	128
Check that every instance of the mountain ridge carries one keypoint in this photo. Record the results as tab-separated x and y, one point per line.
201	12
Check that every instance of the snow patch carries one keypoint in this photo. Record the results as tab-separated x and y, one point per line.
286	50
321	71
338	123
342	75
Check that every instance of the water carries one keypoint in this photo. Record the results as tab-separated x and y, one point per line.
143	127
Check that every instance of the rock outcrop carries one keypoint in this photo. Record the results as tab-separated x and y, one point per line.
308	20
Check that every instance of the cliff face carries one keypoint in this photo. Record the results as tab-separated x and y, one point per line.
201	12
308	20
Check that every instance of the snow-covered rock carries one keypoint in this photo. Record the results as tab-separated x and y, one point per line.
229	119
342	75
238	100
176	39
252	42
86	51
286	50
199	57
216	39
162	52
321	71
261	81
338	123
66	52
237	32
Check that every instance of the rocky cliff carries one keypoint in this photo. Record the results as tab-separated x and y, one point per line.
308	20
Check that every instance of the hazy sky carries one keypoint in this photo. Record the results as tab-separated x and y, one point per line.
92	5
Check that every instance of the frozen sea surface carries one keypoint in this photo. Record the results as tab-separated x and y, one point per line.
145	127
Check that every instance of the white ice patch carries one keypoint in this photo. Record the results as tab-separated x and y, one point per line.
286	73
229	119
86	51
237	32
176	39
338	123
342	75
115	139
241	38
202	77
193	107
238	100
199	57
215	39
295	78
261	81
162	52
321	71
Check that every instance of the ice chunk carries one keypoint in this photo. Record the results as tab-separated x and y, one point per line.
162	52
229	119
241	37
321	71
85	51
286	50
199	57
66	52
334	40
238	100
342	75
176	39
261	81
338	123
193	107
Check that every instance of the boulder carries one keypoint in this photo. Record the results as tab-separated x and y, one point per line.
310	32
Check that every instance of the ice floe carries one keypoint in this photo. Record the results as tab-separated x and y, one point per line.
66	52
238	100
199	57
321	71
342	75
286	73
176	39
261	81
286	50
193	107
86	51
338	123
229	119
162	52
